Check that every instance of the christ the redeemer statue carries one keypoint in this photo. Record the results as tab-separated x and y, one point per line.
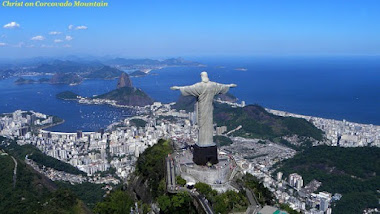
205	91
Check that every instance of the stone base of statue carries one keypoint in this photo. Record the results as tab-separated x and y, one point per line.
219	176
204	155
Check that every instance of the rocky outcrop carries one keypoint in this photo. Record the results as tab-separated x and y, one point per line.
129	96
124	81
126	94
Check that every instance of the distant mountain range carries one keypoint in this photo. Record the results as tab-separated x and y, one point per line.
151	62
72	70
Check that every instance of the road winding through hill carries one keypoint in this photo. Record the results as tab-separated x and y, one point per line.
14	172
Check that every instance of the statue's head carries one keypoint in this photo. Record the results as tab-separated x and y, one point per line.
204	77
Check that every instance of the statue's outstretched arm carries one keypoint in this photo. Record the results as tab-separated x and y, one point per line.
175	88
232	85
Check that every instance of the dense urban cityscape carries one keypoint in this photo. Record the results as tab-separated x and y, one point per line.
119	146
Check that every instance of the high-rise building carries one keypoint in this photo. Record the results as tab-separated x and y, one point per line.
279	176
79	134
324	205
328	211
295	180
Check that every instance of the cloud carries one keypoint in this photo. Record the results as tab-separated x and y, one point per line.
47	46
30	46
69	38
12	25
67	46
58	40
82	27
54	33
38	38
2	44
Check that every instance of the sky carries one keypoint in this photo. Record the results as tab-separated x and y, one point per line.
161	28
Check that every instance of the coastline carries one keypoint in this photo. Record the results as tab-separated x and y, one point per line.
52	125
308	117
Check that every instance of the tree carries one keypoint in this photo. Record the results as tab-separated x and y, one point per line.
118	202
178	203
180	181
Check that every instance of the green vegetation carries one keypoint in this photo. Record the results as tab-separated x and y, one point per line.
127	96
33	192
222	140
89	193
205	190
67	95
118	202
258	123
65	202
288	209
264	196
185	103
37	156
227	202
151	165
353	172
180	181
138	122
261	142
285	143
178	203
230	201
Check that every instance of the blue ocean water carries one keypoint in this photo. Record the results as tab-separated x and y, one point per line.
41	98
331	87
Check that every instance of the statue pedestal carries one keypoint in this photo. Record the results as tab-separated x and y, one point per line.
203	155
218	176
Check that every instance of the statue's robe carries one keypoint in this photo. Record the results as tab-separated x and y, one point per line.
205	93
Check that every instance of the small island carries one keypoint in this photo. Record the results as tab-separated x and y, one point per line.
138	74
68	95
23	81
